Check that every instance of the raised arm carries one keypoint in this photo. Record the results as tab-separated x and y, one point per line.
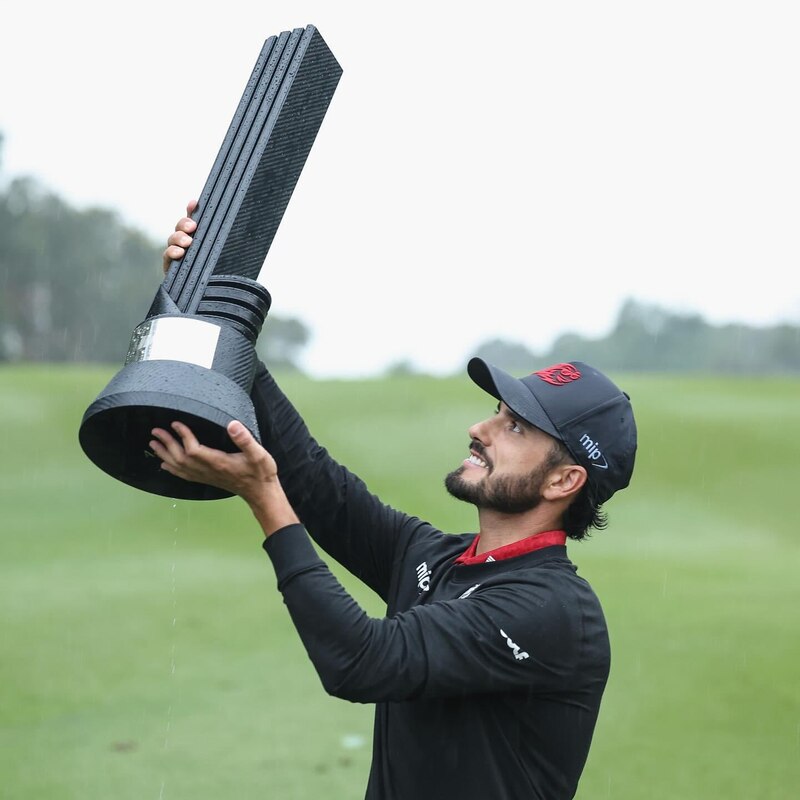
341	514
343	517
517	635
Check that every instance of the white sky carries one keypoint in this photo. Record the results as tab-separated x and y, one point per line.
513	169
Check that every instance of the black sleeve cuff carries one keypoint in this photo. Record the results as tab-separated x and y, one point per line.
291	553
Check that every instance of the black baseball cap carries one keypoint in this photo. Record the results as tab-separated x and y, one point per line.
579	406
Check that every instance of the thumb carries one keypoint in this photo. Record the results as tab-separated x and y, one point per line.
240	436
253	452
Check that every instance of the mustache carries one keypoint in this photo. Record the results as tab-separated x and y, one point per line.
478	448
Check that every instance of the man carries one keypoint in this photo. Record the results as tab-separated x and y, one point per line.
488	670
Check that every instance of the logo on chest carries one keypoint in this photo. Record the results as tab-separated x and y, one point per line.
423	577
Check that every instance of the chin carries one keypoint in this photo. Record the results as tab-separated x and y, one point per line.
506	494
460	487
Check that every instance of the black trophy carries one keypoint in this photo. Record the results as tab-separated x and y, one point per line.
193	358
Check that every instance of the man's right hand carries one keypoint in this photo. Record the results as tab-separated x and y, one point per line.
180	240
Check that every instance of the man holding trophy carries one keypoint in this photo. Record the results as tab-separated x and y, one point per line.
488	669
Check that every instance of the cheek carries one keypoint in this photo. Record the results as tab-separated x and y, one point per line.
523	458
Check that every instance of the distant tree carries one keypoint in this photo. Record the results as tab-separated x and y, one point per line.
401	368
649	338
281	341
75	283
513	357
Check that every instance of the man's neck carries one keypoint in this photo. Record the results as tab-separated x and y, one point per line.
498	530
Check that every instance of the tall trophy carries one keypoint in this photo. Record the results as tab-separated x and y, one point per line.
193	357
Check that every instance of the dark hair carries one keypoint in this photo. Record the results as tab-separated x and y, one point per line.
583	513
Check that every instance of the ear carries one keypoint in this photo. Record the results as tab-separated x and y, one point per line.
564	482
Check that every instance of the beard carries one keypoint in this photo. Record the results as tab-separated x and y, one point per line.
508	494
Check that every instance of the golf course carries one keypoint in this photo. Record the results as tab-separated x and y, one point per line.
146	654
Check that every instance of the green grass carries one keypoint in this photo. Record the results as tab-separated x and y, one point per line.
146	653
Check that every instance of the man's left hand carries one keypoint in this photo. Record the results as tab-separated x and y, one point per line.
251	473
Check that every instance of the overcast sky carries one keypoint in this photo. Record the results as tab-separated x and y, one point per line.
513	169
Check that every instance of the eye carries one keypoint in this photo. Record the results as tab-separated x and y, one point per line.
515	427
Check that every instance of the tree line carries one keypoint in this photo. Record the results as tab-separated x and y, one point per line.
74	283
648	338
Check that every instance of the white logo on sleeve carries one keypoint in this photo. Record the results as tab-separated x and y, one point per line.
520	655
423	577
469	591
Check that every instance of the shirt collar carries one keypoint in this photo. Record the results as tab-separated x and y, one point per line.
526	545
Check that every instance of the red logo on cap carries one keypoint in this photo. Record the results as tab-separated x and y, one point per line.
559	374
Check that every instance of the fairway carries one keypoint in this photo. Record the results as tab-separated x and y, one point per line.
147	654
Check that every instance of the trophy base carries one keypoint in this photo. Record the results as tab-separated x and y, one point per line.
116	428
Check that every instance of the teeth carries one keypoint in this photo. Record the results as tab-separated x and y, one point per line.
473	459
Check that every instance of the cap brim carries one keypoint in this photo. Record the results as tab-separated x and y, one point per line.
513	393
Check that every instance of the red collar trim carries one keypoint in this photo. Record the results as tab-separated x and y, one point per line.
527	545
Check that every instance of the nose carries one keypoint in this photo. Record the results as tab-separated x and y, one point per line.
479	431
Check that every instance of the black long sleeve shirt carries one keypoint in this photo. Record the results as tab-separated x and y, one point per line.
487	678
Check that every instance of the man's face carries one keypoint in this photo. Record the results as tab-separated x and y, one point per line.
508	463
